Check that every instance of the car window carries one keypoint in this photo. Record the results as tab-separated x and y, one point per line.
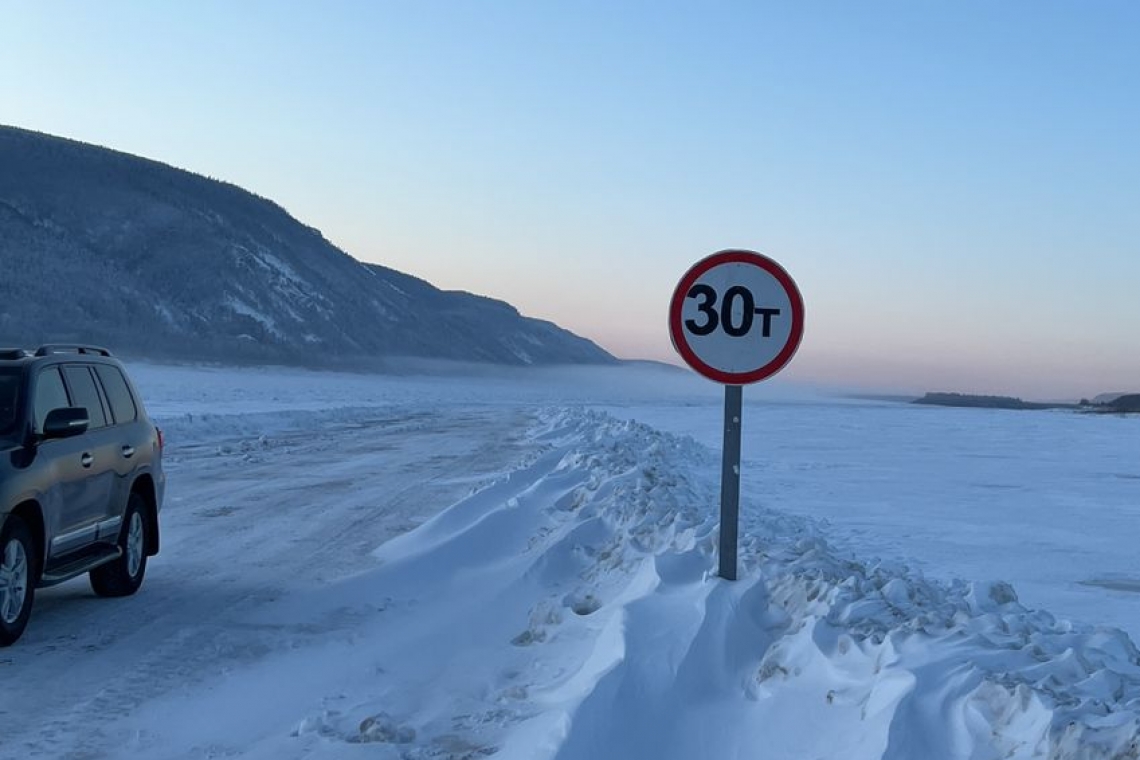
50	394
9	399
85	394
123	407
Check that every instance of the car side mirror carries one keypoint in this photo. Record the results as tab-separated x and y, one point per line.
66	422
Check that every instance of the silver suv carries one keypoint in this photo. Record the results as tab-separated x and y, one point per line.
81	480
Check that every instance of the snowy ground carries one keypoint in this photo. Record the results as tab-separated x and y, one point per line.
521	565
1048	501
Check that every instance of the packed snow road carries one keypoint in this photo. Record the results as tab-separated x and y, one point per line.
247	519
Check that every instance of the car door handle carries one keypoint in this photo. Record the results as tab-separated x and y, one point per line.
128	451
86	460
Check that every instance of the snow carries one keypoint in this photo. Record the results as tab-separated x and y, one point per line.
522	564
1048	501
237	306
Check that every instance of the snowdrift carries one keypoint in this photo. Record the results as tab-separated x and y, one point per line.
571	611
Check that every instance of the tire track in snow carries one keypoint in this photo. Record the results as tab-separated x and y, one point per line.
245	518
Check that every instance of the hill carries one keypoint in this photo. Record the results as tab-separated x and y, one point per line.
985	402
104	247
1118	403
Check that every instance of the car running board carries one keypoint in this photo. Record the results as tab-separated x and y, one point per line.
80	565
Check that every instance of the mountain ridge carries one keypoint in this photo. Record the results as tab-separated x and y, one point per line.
106	247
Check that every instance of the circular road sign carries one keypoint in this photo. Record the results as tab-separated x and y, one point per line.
736	317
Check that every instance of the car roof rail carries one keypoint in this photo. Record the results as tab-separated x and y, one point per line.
70	348
14	353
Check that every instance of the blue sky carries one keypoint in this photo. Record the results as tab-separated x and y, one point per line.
955	186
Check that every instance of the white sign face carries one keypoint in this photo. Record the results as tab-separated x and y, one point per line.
736	317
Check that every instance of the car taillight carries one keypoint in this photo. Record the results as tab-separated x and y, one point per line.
161	440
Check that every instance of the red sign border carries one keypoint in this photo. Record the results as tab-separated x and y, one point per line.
736	256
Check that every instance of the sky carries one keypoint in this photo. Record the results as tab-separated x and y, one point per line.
954	186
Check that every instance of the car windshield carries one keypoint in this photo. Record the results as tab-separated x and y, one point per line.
9	399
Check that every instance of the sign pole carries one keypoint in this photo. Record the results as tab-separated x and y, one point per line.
730	481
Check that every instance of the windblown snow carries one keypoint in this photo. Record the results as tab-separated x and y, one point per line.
519	565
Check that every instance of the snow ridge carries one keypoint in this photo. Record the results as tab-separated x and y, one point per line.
636	649
967	667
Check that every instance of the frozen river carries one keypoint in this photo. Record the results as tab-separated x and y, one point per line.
518	563
1048	501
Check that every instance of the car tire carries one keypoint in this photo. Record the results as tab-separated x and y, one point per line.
18	560
123	576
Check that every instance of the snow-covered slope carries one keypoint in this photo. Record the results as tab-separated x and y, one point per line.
100	246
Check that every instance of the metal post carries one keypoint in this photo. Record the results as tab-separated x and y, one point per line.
730	481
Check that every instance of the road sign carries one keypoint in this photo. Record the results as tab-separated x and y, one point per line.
736	317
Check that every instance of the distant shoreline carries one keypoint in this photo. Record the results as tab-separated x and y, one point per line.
971	401
1124	404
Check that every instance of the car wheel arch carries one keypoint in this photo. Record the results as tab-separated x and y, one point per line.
144	487
32	514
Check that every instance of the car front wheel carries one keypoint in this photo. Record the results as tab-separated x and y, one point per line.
17	580
123	576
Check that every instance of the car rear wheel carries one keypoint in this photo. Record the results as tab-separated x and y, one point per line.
17	578
124	576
